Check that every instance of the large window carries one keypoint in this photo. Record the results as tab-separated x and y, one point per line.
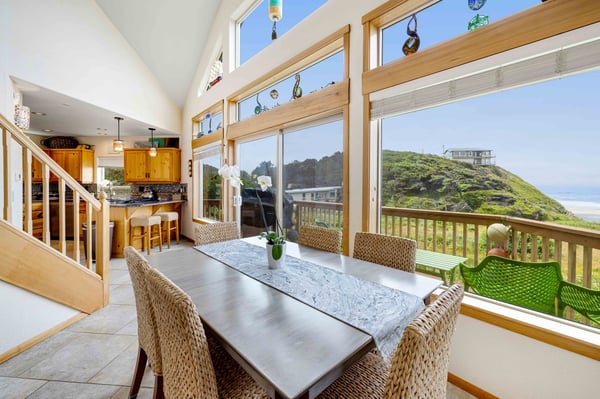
208	185
318	76
258	158
255	29
311	177
526	152
442	21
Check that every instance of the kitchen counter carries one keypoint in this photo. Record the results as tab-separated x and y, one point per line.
138	203
122	211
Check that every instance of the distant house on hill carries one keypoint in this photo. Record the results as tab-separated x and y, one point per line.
324	194
476	156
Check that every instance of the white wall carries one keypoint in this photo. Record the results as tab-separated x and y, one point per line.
501	362
21	316
71	47
510	365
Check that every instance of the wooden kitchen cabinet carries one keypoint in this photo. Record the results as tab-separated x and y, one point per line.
36	170
140	167
79	163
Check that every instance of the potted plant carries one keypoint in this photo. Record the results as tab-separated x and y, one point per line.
275	239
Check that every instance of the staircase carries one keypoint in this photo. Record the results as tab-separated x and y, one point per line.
52	269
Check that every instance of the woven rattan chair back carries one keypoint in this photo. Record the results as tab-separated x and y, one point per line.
216	232
532	285
420	366
320	238
187	366
396	252
149	347
584	300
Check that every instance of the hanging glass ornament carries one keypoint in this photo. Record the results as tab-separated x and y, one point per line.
258	109
275	14
274	94
297	91
478	21
411	45
476	4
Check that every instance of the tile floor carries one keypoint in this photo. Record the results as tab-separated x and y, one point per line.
93	358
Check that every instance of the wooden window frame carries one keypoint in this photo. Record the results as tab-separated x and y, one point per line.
217	136
331	100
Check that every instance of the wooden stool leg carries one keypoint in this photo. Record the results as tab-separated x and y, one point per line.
177	230
148	231
160	237
168	230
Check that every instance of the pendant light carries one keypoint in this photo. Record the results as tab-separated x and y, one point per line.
118	143
152	152
275	14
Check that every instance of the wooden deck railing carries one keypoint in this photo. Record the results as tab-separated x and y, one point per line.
318	212
577	250
464	234
93	210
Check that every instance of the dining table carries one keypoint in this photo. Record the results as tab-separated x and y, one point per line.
290	346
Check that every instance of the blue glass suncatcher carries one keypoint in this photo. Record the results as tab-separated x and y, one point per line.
379	311
476	4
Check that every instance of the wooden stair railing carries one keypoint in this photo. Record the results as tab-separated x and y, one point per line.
94	210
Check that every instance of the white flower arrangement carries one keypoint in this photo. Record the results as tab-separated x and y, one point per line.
231	173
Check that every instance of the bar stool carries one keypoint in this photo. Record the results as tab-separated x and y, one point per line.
145	223
167	218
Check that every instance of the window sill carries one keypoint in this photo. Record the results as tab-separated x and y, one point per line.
574	337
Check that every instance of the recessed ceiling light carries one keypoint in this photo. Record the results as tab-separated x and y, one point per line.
47	130
38	113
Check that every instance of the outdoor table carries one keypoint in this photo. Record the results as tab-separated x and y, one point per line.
438	264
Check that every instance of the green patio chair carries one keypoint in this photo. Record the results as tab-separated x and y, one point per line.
531	285
583	300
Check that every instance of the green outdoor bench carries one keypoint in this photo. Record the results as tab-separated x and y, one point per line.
531	285
581	299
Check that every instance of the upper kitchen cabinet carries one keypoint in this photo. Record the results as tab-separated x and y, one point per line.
140	167
79	163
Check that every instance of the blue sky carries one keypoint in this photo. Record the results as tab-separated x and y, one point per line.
548	133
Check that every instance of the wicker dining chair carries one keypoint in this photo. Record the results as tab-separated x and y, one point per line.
215	232
320	238
149	348
419	368
396	252
188	370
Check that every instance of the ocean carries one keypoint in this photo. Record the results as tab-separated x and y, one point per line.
584	202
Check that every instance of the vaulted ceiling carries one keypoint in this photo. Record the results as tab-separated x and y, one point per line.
169	36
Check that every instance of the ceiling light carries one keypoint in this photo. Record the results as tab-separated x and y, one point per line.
152	152
38	113
118	143
47	130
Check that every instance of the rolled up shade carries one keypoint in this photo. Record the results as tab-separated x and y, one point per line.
547	66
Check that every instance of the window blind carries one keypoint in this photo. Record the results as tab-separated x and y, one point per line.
110	162
207	152
551	65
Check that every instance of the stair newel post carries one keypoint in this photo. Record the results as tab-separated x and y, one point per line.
103	245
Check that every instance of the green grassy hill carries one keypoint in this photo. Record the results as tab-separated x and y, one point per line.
426	181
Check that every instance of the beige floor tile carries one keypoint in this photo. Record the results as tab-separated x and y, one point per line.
80	360
15	388
69	390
